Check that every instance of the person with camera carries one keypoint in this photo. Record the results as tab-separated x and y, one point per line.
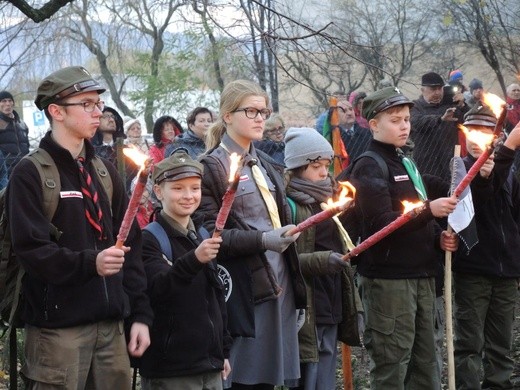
435	126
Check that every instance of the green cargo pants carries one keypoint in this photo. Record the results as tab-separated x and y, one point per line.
399	334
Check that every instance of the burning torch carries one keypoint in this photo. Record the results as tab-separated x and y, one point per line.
145	163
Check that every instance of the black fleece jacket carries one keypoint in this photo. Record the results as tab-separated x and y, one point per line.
189	334
497	217
409	252
62	287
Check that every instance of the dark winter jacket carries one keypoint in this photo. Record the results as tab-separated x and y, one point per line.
189	141
409	252
434	139
240	253
274	149
61	286
497	216
314	266
189	333
14	139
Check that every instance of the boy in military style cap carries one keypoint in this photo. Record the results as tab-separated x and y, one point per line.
486	277
78	288
397	274
183	286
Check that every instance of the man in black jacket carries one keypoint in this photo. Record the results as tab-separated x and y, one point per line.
78	287
434	127
14	133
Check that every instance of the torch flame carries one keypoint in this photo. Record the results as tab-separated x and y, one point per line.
409	206
136	155
233	167
483	140
494	102
346	194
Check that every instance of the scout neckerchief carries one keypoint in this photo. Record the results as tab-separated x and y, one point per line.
414	175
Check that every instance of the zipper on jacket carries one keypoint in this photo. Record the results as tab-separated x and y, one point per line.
105	288
45	301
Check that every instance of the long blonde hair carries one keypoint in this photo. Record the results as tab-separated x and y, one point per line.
232	96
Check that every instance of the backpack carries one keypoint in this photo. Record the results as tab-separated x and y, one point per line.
352	218
162	237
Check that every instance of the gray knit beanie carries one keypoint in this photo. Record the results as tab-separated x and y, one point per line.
304	145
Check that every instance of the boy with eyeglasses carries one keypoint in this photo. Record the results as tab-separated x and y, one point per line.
78	287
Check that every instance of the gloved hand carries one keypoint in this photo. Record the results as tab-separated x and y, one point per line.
276	241
336	263
300	318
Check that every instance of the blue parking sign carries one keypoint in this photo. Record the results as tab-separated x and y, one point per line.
38	118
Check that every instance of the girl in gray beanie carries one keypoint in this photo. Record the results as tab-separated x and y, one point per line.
331	309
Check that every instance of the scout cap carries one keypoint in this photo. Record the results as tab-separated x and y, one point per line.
178	166
382	100
480	115
64	83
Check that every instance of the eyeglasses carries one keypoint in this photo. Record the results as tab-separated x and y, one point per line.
108	116
276	130
252	112
89	106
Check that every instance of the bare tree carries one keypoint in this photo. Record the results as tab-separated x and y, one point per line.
490	26
47	10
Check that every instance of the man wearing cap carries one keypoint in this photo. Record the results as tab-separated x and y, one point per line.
78	287
434	127
486	277
14	133
110	128
474	96
397	283
184	287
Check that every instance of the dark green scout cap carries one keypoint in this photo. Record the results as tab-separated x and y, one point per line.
178	166
480	115
382	100
64	83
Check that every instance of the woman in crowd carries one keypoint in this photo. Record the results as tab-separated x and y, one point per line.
165	129
199	121
272	143
134	135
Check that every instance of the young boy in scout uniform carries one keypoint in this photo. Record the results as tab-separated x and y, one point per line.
486	277
190	343
397	274
78	287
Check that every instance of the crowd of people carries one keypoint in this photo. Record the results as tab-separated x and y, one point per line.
255	305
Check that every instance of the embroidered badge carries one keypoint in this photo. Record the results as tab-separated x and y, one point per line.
244	178
71	194
401	178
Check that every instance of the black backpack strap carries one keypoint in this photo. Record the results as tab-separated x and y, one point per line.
379	160
203	233
160	234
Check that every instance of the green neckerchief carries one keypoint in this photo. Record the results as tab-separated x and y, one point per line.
414	175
